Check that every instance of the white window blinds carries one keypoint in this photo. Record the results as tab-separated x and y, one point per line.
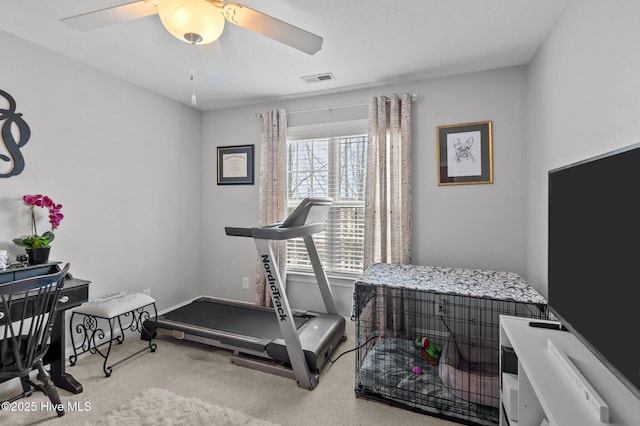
333	167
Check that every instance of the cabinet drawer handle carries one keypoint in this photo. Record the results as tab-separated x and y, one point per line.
64	299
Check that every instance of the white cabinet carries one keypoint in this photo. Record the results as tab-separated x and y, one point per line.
545	391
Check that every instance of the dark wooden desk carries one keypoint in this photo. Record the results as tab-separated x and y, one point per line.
74	293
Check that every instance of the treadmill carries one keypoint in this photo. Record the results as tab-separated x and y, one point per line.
279	340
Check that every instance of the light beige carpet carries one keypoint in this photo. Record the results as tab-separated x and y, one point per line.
161	407
197	372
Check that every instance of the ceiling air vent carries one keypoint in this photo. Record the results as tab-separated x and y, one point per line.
318	77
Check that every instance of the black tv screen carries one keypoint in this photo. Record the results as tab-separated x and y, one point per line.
594	256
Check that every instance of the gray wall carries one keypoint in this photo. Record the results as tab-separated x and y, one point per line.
137	174
468	226
125	164
582	101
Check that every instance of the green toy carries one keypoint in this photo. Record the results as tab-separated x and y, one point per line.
429	350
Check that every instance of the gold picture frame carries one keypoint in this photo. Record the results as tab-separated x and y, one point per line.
465	153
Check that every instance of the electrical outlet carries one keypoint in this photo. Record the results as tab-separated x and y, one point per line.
245	283
441	305
147	291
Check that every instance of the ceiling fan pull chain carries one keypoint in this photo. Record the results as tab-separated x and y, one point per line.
192	74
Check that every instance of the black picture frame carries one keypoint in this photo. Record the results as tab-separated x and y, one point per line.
465	153
236	165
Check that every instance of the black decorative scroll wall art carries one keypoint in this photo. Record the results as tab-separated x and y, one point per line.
13	141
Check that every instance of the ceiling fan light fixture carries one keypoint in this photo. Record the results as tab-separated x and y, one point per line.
185	19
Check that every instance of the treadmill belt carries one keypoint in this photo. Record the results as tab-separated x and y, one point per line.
237	319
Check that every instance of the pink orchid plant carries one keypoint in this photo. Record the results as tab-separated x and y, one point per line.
55	217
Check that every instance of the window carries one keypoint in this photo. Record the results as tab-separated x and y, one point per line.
330	167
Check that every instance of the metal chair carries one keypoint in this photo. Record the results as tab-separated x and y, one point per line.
27	312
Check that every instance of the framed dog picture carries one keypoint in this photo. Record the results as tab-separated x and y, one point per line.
465	153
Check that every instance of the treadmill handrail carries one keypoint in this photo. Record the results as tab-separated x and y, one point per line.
309	209
237	232
264	233
287	233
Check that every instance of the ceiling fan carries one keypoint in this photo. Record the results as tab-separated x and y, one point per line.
199	21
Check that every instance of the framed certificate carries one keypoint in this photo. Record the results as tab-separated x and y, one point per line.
236	165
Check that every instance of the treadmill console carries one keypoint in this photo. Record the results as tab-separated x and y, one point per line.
310	210
307	218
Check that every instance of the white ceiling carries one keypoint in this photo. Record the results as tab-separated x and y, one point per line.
366	43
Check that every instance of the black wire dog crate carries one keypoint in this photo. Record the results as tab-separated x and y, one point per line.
428	338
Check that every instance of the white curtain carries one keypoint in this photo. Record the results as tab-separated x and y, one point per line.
387	234
272	197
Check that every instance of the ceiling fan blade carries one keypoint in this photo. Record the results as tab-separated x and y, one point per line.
212	57
273	28
111	15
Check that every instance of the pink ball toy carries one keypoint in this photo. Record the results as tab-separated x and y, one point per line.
416	370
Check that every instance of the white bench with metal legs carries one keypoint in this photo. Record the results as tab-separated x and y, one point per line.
132	308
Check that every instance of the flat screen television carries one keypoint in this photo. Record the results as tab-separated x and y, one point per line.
594	256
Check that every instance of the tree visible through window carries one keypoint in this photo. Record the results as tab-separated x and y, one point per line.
330	167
